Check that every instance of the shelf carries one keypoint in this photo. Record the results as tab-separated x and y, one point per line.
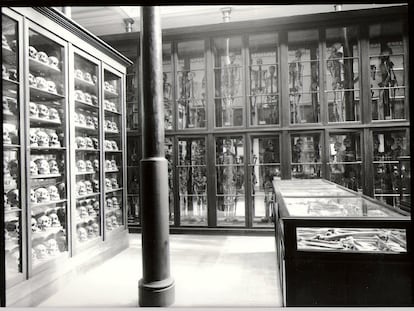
44	95
85	173
45	176
9	83
112	210
45	233
87	195
11	146
86	105
86	128
47	148
38	66
113	190
36	205
89	86
113	151
9	56
87	150
41	121
85	220
109	94
12	210
112	171
113	112
111	132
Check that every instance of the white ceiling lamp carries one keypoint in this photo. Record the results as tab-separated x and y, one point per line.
128	24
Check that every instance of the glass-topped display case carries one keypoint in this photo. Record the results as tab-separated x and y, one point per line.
306	155
87	124
47	141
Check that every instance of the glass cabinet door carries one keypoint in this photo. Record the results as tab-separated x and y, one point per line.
48	142
264	166
230	181
387	67
191	85
228	78
12	180
342	77
303	59
133	160
167	84
264	79
306	155
114	183
169	155
87	216
192	181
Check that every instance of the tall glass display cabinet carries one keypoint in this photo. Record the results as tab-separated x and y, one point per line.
58	114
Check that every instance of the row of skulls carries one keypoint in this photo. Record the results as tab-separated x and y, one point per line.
87	166
85	76
88	208
11	198
42	57
111	183
9	73
111	106
44	222
86	97
44	250
110	165
45	194
111	145
112	203
87	121
88	232
109	87
44	167
87	142
87	187
43	112
10	136
39	138
42	84
111	222
111	126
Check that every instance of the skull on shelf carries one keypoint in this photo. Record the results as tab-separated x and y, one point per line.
54	62
80	188
114	222
118	213
54	193
32	80
91	211
114	183
95	143
4	41
62	189
42	139
33	138
94	99
107	104
95	185
82	235
94	79
42	57
108	222
43	222
54	114
33	168
88	98
107	86
81	166
6	136
32	52
95	205
13	197
34	226
114	145
42	195
115	202
54	140
51	87
114	127
88	186
83	212
54	220
79	95
43	111
108	165
96	165
41	83
52	247
87	77
95	228
113	107
108	184
41	251
89	142
80	142
33	198
54	168
82	119
109	204
76	118
89	122
113	165
43	166
89	166
108	125
90	232
78	74
111	88
108	145
33	110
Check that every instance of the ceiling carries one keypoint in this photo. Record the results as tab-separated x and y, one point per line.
106	20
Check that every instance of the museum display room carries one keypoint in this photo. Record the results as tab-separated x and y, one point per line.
297	126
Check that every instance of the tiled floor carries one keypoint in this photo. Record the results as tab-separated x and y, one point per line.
209	271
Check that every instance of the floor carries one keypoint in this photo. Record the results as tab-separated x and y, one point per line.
209	271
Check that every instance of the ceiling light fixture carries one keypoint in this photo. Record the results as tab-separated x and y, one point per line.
128	24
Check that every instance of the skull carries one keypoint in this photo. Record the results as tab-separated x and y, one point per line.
112	107
113	165
94	99
96	164
32	52
114	145
114	183
41	83
82	235
32	80
107	104
89	122
54	168
89	142
108	145
6	136
33	168
108	222
87	77
43	222
51	87
54	114
33	110
107	86
54	193
108	125
33	138
42	195
95	143
42	139
33	198
76	118
91	211
80	188
52	247
115	202
89	166
82	119
53	61
108	165
94	79
109	204
78	74
83	211
114	127
90	232
6	107
54	220
43	167
88	98
41	251
114	222
42	57
34	226
62	189
88	186
95	227
13	74
108	184
43	111
79	95
80	142
13	197
95	185
54	140
81	166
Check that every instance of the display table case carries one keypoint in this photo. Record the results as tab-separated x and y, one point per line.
337	247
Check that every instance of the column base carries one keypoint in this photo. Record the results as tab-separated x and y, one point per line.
156	294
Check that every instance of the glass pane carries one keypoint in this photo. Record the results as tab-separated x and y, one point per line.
345	163
48	143
264	167
303	58
132	106
264	91
169	155
228	81
230	181
306	155
133	158
342	76
191	85
387	79
167	86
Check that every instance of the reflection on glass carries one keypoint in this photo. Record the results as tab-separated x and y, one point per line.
303	58
264	166
230	181
388	147
342	78
386	50
191	85
192	181
264	95
169	155
228	82
306	155
345	160
167	86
